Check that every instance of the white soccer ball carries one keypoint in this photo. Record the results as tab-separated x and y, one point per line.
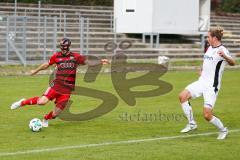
35	125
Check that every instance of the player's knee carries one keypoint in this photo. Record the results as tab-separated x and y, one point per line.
42	101
182	97
207	115
55	114
57	111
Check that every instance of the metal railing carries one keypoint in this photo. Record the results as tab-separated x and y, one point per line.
42	28
31	39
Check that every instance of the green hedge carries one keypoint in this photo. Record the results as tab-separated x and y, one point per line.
231	6
71	2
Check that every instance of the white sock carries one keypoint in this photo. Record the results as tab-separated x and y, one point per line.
187	109
217	122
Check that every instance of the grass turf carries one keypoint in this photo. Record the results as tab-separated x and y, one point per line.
112	127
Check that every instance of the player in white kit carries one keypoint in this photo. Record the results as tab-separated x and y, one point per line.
208	84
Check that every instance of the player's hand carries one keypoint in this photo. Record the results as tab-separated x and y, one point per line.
105	61
33	72
221	53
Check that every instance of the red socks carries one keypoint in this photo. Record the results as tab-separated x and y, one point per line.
49	116
30	101
33	101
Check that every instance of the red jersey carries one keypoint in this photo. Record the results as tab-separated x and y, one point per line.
66	68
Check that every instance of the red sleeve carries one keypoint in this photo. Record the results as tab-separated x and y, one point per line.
52	60
80	59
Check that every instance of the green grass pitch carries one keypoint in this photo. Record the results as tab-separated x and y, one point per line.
22	144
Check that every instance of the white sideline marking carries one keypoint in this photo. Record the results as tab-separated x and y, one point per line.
108	143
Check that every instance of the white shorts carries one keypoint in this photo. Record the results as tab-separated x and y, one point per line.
198	89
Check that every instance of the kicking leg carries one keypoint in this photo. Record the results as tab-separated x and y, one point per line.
31	101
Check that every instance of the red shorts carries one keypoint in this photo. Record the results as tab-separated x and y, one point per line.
61	100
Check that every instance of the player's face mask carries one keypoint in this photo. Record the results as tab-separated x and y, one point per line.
64	45
64	49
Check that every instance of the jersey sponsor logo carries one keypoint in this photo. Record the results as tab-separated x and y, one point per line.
67	65
208	57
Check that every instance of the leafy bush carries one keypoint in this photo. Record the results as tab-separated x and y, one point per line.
231	6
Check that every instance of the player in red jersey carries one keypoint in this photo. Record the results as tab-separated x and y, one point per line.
64	82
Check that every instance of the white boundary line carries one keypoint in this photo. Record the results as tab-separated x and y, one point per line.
108	143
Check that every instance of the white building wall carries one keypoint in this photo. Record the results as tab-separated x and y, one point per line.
161	16
138	21
175	16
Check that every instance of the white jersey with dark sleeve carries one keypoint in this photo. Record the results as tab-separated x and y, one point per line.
213	66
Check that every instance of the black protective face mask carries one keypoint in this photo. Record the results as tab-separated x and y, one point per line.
65	50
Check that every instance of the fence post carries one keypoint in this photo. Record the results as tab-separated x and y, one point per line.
7	37
143	37
115	35
45	37
60	20
81	30
55	34
24	41
64	25
87	34
39	21
157	40
112	21
15	14
202	41
151	39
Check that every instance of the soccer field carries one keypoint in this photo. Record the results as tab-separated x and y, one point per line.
127	132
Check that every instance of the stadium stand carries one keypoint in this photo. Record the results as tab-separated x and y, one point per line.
100	33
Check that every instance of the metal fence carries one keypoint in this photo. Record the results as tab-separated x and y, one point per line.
31	39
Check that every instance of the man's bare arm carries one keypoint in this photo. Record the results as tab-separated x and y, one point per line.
230	60
96	62
41	67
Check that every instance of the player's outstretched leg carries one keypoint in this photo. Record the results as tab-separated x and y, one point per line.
23	102
187	109
208	115
31	101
